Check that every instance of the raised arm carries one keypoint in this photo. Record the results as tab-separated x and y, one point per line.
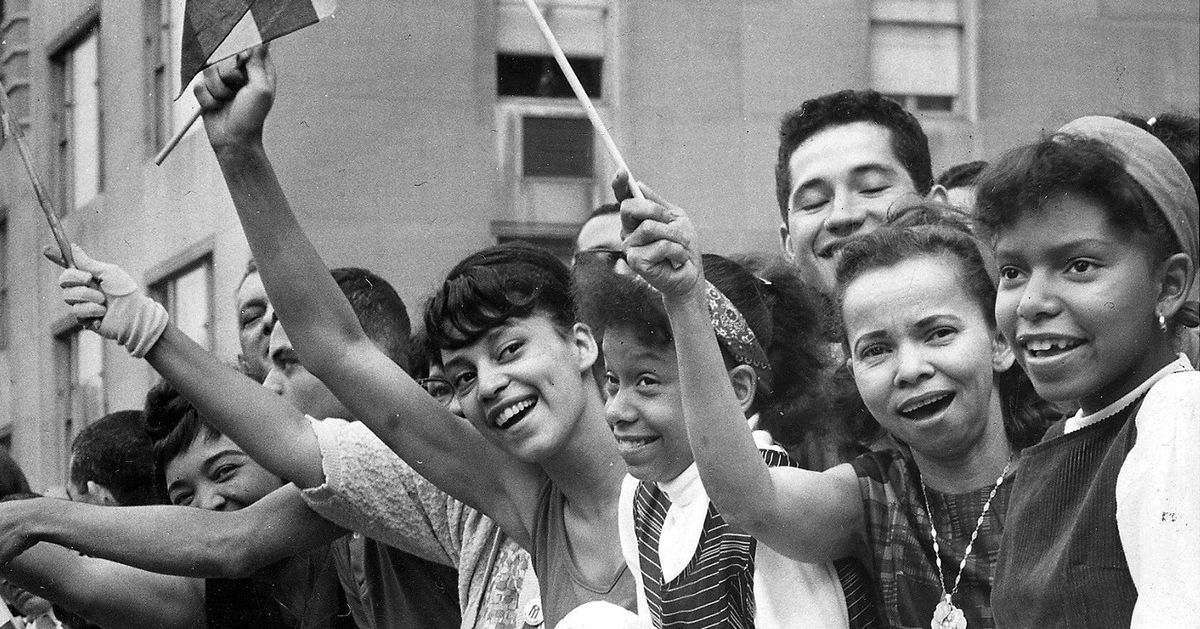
332	345
107	593
806	515
181	541
272	431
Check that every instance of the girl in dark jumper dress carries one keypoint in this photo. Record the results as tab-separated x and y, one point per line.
1095	235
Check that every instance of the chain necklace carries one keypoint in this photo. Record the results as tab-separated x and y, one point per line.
946	615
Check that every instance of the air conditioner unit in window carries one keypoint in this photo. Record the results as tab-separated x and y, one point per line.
548	153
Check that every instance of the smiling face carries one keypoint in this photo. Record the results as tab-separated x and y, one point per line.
522	384
844	179
296	384
923	356
255	321
643	406
215	474
1077	299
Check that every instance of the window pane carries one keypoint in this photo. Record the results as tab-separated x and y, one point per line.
578	27
528	75
928	11
915	59
935	103
85	128
557	147
191	308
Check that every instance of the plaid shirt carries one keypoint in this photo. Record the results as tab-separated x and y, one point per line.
897	528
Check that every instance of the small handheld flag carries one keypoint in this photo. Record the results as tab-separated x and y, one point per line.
12	129
218	29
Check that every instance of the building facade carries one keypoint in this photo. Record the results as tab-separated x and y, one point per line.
408	134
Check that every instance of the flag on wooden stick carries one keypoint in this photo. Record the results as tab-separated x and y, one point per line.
216	29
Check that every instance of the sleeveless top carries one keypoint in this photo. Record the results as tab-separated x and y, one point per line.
897	529
1062	564
563	585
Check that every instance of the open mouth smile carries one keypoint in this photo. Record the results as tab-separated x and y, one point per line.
511	415
925	406
1049	347
629	445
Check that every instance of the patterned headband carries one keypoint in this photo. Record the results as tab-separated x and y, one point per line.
733	332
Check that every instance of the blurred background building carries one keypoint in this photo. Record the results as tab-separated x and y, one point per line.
408	134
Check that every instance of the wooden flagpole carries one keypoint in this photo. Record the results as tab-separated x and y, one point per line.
12	129
582	96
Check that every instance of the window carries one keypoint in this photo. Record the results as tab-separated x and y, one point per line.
187	294
77	116
79	360
917	53
547	146
163	31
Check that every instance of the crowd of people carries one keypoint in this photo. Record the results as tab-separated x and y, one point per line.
967	401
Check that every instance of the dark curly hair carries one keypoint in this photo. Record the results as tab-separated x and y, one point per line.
491	286
932	229
116	451
173	424
1023	179
909	142
784	315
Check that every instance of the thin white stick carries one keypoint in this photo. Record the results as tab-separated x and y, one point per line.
582	96
166	150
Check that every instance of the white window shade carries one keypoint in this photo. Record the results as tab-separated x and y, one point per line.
85	118
578	27
925	11
915	59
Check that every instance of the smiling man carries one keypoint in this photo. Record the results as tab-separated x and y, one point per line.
845	159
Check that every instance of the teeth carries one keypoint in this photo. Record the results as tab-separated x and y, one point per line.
911	408
1042	345
512	411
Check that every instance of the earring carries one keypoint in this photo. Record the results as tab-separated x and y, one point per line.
1162	321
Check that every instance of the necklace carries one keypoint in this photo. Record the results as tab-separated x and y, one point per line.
946	615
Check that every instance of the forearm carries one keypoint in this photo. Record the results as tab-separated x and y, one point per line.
272	431
308	301
734	474
108	594
181	540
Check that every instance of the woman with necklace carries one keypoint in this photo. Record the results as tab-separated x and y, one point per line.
917	301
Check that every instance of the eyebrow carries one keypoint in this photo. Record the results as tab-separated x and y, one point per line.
1057	250
486	337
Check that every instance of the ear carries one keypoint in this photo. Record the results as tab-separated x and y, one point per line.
1002	353
938	194
100	495
1176	275
585	345
745	384
785	241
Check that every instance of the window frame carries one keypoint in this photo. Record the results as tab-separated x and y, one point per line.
60	54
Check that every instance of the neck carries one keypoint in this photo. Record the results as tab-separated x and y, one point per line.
977	466
1159	357
588	471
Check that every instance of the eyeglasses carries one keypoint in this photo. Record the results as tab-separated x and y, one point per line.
599	255
439	388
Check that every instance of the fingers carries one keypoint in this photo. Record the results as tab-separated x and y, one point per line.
259	69
223	79
75	277
75	295
644	258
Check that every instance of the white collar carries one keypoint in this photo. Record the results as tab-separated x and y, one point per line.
1079	420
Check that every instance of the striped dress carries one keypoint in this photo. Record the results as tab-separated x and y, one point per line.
727	580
